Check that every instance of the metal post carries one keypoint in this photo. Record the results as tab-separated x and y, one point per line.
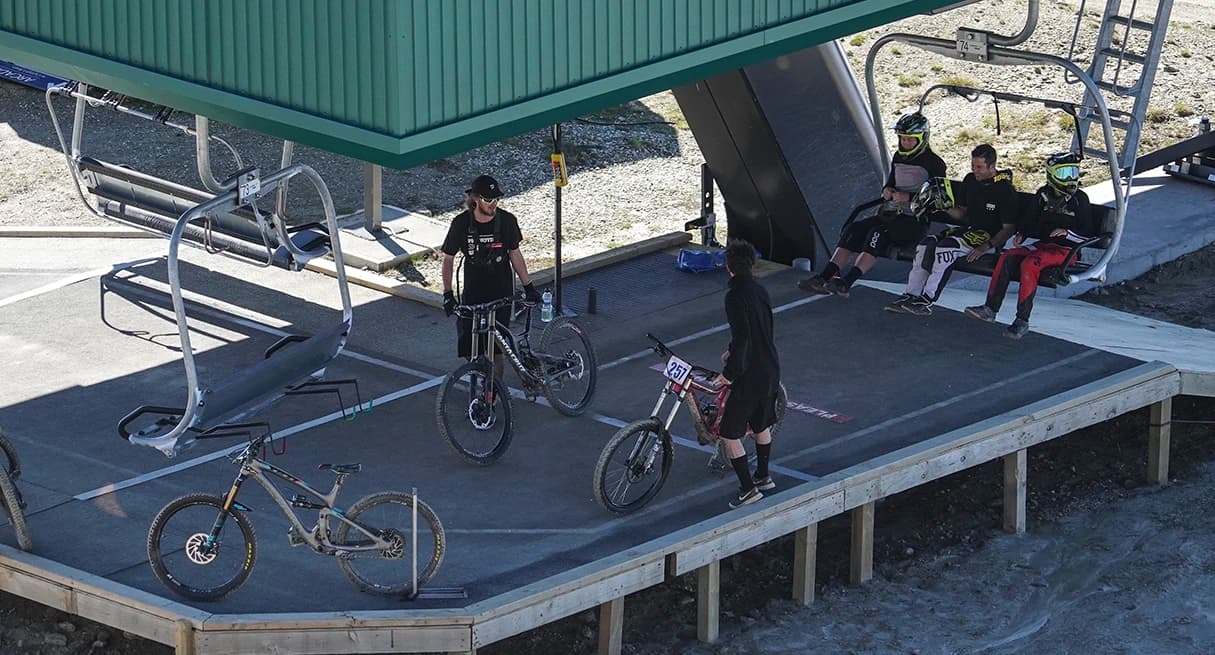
373	196
557	183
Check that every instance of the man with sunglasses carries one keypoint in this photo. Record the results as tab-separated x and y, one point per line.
1059	217
488	239
913	163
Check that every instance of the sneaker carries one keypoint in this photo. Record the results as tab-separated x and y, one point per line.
921	306
981	312
897	305
765	483
746	498
815	284
838	287
1017	329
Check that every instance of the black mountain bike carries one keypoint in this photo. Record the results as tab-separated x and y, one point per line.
378	542
474	406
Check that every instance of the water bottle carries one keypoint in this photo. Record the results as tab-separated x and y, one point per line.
546	307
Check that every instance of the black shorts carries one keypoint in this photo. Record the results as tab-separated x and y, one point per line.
744	411
464	333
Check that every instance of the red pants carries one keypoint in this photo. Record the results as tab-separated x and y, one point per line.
1027	263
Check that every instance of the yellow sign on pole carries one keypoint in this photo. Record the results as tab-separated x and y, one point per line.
560	178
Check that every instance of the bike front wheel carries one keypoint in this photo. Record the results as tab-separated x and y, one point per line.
570	367
474	413
184	558
633	466
389	571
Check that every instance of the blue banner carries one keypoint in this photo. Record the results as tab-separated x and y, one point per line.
22	75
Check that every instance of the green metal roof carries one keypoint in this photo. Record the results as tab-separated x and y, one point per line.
403	82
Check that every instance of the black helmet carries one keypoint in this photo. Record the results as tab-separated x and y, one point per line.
1063	172
935	195
914	125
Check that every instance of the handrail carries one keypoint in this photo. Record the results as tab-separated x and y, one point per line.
168	443
1005	57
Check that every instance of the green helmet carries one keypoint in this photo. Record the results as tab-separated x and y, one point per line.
1063	172
915	126
935	195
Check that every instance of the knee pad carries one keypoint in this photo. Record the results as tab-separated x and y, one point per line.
929	244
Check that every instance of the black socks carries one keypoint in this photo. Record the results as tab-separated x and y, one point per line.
745	482
762	452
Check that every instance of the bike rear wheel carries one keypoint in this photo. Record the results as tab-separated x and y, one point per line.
633	466
179	554
474	413
390	572
570	366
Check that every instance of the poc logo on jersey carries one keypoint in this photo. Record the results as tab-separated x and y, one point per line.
991	207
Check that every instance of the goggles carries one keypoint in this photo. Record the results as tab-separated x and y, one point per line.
1065	172
489	201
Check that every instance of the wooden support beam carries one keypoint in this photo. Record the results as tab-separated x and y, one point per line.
805	550
611	626
1159	434
185	638
861	562
708	601
1015	469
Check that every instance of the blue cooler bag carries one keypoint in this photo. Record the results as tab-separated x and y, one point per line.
700	261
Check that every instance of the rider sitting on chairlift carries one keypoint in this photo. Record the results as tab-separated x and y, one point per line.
988	207
1059	217
913	164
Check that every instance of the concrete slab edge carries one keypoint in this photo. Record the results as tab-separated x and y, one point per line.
81	232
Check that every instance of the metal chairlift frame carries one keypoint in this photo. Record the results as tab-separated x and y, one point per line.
242	190
976	45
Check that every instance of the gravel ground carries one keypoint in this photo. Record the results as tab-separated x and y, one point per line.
1108	565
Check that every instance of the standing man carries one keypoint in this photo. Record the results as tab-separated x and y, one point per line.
753	372
1060	217
989	210
914	163
488	237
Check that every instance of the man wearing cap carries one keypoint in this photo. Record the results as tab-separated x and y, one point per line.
488	237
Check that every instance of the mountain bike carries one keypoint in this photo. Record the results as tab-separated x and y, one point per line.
378	542
10	496
474	406
638	457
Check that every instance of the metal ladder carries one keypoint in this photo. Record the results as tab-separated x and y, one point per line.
1113	71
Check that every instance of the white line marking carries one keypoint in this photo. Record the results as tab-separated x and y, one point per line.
328	418
252	320
936	406
704	333
69	281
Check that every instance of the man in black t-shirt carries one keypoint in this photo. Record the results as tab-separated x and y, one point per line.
913	163
988	207
488	238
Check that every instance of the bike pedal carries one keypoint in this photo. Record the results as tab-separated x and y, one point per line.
294	538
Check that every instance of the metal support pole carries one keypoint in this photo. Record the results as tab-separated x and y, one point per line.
373	197
557	184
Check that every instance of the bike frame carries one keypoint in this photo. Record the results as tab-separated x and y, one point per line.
521	346
260	470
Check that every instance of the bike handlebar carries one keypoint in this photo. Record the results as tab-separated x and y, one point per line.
662	349
467	311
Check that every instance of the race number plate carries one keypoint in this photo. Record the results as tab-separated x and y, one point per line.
678	371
